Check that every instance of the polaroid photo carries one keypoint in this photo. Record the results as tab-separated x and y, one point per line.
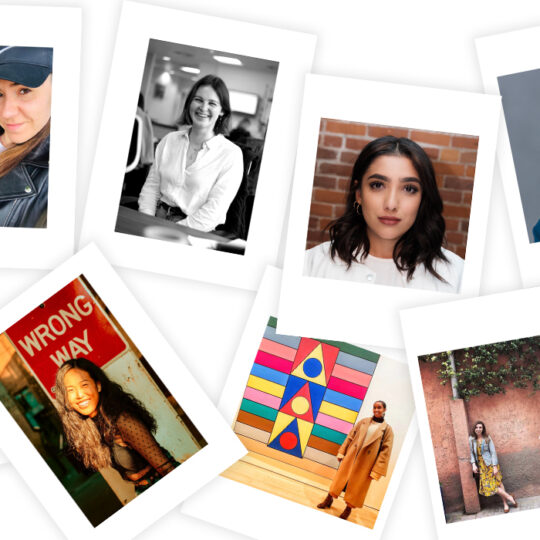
208	203
355	245
510	68
303	408
39	101
99	416
475	370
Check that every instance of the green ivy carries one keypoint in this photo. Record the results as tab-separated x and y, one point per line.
488	369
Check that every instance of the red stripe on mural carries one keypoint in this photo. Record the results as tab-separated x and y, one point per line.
273	362
345	387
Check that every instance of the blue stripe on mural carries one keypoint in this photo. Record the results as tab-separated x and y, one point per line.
328	434
355	362
289	341
269	374
337	398
258	410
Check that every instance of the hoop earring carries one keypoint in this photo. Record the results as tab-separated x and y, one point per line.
357	208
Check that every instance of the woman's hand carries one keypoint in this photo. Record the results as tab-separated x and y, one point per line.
474	468
340	457
495	469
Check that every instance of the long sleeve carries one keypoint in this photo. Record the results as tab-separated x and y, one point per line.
151	190
347	442
380	467
139	438
471	448
213	212
494	459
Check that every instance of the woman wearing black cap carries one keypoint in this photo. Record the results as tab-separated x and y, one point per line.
25	113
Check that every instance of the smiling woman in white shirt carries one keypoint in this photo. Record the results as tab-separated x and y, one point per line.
197	171
392	230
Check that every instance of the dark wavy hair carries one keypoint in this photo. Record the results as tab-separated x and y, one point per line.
220	88
484	430
89	438
422	243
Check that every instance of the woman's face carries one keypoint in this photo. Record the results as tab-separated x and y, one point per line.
390	193
205	108
378	409
82	391
23	111
478	429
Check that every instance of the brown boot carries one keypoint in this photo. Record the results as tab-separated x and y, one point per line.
327	503
346	513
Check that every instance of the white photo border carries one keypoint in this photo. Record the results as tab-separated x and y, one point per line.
222	449
358	308
499	55
59	28
503	317
223	494
138	24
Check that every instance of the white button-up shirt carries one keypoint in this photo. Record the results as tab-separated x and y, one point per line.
204	190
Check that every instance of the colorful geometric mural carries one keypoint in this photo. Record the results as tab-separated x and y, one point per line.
303	395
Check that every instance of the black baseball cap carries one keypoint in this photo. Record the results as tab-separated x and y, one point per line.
29	66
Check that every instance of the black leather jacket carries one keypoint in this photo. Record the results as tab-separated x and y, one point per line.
24	190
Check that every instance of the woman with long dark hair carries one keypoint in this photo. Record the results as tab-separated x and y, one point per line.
392	230
197	171
485	465
363	457
25	112
108	427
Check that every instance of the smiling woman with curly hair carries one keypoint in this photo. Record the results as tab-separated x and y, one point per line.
108	427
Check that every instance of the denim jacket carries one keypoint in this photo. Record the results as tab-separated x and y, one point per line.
24	190
488	451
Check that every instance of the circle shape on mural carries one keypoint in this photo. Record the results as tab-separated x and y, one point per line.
288	441
300	405
312	367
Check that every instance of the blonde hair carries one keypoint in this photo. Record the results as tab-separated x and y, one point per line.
10	158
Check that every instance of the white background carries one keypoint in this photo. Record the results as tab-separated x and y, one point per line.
415	42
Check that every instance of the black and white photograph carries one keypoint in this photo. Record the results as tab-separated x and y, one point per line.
193	163
197	145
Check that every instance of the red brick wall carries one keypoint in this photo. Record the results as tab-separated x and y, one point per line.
438	399
513	421
453	157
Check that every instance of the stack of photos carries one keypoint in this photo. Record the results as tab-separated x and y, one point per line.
356	210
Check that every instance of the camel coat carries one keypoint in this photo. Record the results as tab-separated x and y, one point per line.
364	461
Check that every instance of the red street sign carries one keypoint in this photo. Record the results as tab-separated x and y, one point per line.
70	324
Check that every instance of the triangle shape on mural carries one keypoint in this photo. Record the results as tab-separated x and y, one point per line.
280	423
288	440
304	429
293	385
300	404
312	367
329	354
317	395
305	346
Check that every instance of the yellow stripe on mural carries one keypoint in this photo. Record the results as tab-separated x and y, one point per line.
266	386
338	412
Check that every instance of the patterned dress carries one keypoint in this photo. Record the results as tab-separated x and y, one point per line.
489	482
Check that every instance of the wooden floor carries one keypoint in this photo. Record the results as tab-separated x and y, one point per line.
294	484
